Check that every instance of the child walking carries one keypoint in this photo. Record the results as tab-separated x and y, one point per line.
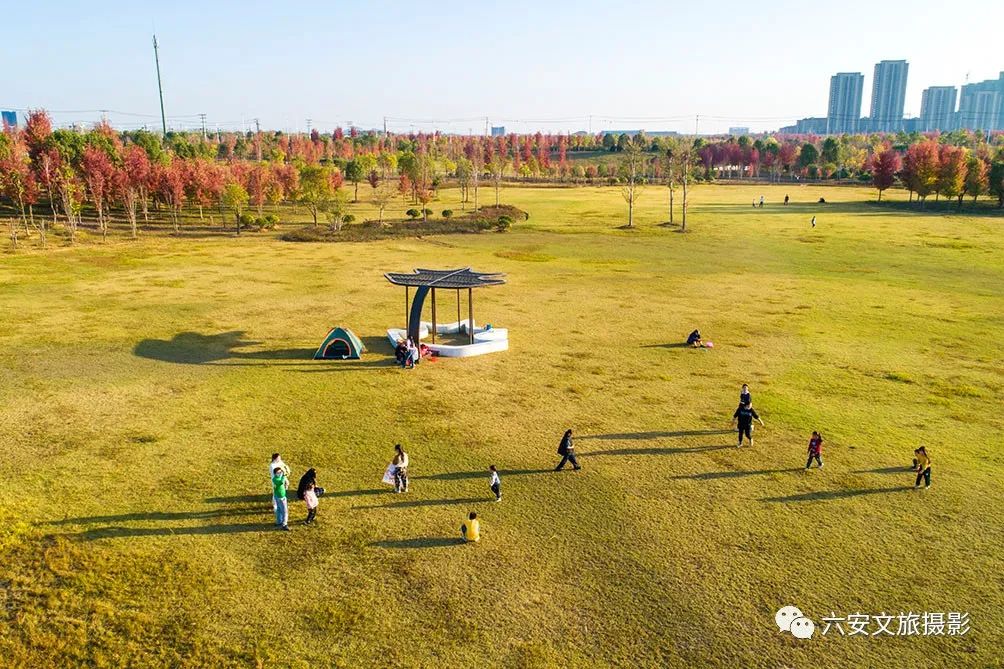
923	466
815	449
496	483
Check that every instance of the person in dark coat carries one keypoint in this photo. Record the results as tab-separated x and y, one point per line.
694	339
566	449
744	417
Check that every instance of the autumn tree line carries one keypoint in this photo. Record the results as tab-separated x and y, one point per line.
56	179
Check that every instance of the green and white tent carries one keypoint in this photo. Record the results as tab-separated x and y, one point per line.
340	344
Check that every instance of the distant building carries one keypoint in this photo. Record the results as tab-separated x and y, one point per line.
806	126
739	131
498	131
981	106
937	108
8	118
889	95
844	110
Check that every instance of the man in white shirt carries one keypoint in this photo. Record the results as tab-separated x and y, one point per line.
276	462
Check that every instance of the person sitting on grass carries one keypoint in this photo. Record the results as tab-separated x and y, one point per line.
815	450
922	467
401	351
410	354
470	529
695	339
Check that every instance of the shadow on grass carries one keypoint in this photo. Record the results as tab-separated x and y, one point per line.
193	348
114	531
266	499
427	502
419	542
162	515
824	495
655	435
712	476
654	451
885	470
679	344
481	473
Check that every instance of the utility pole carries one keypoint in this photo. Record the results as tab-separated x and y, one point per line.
203	117
697	120
308	125
160	89
486	126
257	138
384	125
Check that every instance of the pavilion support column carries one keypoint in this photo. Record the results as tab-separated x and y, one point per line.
407	320
458	311
433	315
470	313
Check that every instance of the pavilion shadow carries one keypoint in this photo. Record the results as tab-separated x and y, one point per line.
655	451
118	531
712	476
193	348
655	435
419	542
824	495
427	502
458	476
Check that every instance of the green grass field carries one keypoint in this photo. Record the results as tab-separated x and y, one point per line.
144	385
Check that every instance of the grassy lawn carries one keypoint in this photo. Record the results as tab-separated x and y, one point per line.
143	386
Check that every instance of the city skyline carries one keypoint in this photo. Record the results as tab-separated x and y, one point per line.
457	68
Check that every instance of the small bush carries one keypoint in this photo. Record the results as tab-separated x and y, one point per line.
427	212
271	220
348	218
447	213
307	234
246	220
413	213
503	223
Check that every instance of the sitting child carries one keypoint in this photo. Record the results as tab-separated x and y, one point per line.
695	339
470	530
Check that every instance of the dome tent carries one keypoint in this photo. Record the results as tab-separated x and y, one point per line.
340	344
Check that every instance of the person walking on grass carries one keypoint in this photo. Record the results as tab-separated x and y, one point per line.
743	417
923	467
279	483
470	529
566	449
309	491
276	462
495	482
813	221
815	450
744	395
400	462
761	201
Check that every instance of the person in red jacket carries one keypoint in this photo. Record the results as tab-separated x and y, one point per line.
815	450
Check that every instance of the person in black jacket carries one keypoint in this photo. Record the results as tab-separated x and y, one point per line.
744	416
567	452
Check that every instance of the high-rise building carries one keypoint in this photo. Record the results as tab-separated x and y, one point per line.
845	102
888	95
739	131
937	108
498	130
981	106
8	118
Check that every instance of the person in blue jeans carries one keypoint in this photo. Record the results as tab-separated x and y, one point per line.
279	484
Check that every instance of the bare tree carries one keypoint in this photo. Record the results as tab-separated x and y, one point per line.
632	169
382	196
497	166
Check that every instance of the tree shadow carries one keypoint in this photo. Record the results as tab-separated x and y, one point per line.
712	476
655	451
458	476
824	495
193	348
885	470
117	531
427	502
159	515
419	542
680	344
655	435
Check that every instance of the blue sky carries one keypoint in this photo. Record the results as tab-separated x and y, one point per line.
527	65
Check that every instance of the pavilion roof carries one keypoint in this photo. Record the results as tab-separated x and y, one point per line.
446	278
